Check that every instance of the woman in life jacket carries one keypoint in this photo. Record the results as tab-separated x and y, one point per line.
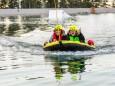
74	34
58	34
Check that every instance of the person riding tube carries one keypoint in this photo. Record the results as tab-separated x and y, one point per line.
74	34
58	34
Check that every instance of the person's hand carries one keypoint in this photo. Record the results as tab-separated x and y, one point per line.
45	43
79	30
54	40
63	34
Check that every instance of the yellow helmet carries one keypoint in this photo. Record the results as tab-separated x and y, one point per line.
58	27
73	27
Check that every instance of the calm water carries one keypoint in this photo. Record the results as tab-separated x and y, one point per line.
24	64
16	25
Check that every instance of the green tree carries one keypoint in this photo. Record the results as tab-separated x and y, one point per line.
63	4
38	4
5	3
51	3
14	4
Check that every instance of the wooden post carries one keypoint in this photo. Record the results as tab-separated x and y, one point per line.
93	11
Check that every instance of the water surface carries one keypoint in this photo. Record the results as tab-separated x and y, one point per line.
25	64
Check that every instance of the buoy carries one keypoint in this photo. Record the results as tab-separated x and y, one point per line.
90	42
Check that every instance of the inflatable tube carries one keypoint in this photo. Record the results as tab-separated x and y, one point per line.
68	46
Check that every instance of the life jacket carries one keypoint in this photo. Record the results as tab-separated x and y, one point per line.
55	37
58	38
74	38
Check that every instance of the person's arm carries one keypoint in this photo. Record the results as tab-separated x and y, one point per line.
64	37
81	37
52	38
67	36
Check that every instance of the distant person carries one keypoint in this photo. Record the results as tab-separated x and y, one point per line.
58	34
74	34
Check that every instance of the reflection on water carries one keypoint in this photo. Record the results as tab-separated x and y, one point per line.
64	64
16	25
26	69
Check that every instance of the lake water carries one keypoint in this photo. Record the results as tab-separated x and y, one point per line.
26	64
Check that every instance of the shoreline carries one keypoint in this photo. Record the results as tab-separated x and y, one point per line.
45	11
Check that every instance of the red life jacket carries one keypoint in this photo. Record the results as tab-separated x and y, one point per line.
58	38
55	37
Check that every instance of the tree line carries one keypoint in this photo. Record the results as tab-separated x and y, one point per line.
50	3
